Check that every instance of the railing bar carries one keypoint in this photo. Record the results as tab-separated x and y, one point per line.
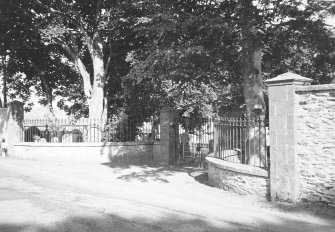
229	134
259	143
224	131
221	138
247	140
254	147
265	145
225	137
240	141
234	133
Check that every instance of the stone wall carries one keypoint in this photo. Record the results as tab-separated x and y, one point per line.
302	131
239	178
316	142
3	126
113	152
284	168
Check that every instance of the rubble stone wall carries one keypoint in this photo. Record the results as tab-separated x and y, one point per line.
316	143
238	178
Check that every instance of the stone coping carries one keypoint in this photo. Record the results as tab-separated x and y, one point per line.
83	144
315	88
238	168
288	78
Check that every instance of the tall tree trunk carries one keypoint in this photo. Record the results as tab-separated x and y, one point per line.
48	93
84	74
252	80
96	104
5	87
251	60
4	74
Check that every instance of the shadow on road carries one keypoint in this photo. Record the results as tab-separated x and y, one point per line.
145	173
111	223
169	223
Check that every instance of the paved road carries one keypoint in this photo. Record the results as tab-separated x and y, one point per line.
37	197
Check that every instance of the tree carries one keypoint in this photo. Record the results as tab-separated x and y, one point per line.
77	29
59	34
251	59
83	29
222	43
183	52
29	62
189	58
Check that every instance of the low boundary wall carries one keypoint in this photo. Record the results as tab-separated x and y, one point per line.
114	152
239	178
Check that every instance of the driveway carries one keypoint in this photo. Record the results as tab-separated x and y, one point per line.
46	196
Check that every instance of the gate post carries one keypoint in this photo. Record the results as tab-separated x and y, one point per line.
14	128
284	168
168	136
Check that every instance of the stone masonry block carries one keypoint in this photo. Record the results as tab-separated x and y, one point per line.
272	110
275	156
281	123
278	93
290	122
291	93
290	137
273	136
274	168
273	123
284	107
281	138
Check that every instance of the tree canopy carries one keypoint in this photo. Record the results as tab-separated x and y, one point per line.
201	57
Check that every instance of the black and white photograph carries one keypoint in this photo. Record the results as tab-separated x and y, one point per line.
167	115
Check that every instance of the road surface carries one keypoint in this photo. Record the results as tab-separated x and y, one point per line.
38	196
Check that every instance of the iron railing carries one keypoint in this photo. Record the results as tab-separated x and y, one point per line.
86	130
197	141
241	140
233	139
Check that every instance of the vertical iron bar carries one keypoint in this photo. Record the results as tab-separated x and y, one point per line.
223	137
247	138
259	142
254	140
227	138
234	136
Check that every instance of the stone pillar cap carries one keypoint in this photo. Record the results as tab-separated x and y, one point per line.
15	101
288	78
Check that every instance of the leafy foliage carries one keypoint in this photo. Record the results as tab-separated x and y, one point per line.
185	54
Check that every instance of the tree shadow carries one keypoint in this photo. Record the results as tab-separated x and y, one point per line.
200	176
148	172
169	222
313	208
113	223
320	209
